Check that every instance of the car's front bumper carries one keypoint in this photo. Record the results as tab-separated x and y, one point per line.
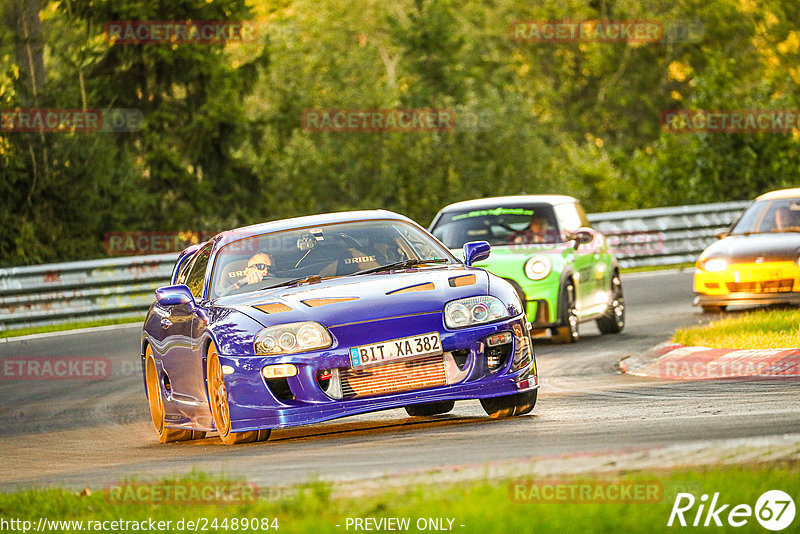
769	282
746	299
254	405
541	297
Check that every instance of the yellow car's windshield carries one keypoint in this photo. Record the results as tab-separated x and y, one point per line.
780	215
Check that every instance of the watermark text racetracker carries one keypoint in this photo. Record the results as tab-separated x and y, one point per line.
55	368
730	121
139	32
729	363
151	242
161	242
182	492
378	120
70	120
602	31
606	31
586	491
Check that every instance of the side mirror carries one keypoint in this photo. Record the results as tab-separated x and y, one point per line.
476	251
174	295
582	236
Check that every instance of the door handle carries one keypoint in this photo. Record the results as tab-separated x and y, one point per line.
165	323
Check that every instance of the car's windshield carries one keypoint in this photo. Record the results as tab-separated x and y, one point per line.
780	215
502	225
326	251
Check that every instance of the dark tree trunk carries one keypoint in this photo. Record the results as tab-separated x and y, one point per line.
29	50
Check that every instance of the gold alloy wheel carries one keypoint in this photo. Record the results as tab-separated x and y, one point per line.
218	400
156	402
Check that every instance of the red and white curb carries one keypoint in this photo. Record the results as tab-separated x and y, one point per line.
679	362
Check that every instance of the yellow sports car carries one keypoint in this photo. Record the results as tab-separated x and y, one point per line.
757	261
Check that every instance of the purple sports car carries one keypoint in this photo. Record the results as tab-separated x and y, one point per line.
305	320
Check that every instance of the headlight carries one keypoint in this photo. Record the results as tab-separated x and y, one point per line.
714	265
292	337
472	311
538	267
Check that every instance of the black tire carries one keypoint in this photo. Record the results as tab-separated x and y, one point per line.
613	321
713	309
430	408
510	405
568	331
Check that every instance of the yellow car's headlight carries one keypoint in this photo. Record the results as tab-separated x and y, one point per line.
714	265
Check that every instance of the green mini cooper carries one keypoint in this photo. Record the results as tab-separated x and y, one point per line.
542	244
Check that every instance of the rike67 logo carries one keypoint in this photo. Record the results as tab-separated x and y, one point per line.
774	510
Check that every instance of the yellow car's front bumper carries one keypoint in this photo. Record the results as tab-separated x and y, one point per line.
748	283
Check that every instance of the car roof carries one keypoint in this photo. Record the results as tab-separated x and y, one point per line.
229	236
780	193
514	200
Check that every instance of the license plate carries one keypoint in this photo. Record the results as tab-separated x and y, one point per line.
396	349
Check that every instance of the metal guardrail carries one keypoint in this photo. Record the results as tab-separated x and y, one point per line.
123	287
665	236
40	295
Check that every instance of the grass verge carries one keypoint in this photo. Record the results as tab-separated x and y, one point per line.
69	326
760	329
475	507
644	269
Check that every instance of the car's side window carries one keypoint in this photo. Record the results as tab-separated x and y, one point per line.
421	248
197	272
184	270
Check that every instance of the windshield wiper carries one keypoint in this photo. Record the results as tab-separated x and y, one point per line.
400	265
313	279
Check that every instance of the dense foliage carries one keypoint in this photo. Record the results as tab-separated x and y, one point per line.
221	143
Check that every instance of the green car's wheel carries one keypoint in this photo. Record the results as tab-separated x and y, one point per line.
613	321
568	331
517	404
430	408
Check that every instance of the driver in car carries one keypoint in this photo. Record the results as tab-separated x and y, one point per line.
534	233
783	219
257	269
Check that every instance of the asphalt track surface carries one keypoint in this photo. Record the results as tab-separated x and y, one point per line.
78	433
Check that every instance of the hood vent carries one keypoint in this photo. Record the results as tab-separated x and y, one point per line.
459	281
273	307
312	303
427	286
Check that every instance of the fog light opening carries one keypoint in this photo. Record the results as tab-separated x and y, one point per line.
330	383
